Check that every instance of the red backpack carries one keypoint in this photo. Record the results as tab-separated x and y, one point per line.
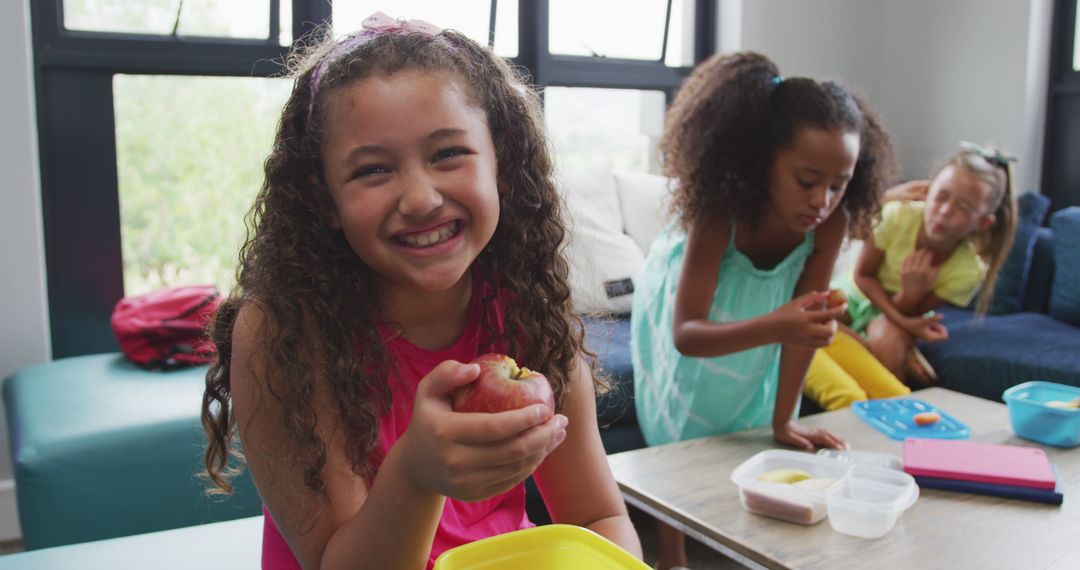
167	328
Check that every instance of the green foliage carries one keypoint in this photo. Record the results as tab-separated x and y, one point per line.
189	158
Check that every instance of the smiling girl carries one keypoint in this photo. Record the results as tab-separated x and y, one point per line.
408	223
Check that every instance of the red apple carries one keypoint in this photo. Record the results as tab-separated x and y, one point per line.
502	386
836	298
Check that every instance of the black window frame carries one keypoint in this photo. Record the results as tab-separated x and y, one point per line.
73	74
1060	170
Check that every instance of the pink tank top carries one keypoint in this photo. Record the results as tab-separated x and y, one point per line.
461	521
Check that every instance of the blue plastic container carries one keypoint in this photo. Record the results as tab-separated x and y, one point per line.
896	418
1033	419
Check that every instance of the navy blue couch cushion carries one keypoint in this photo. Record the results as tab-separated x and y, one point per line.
1065	295
1009	289
984	357
610	340
1041	276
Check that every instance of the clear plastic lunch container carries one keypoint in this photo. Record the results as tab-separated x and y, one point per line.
869	500
1034	417
863	500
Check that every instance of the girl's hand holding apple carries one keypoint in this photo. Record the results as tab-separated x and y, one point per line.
473	456
502	386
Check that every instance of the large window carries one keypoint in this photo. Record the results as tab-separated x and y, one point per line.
470	17
155	118
607	29
1076	34
189	153
212	18
618	126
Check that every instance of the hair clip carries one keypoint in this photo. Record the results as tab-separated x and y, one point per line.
992	155
380	22
777	79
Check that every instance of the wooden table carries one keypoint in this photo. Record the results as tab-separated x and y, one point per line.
688	485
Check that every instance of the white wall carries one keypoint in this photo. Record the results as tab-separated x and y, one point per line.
24	337
936	71
823	39
961	76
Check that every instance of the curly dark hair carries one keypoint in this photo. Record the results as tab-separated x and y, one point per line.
735	112
319	297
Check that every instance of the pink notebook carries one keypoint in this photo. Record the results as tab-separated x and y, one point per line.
984	462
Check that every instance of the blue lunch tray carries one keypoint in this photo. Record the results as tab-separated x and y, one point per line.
895	418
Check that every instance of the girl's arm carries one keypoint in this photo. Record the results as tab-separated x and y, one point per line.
911	190
695	335
795	359
903	310
927	302
390	524
575	479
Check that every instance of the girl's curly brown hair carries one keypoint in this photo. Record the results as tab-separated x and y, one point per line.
319	297
735	112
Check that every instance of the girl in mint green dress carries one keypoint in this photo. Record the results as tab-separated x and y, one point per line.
732	303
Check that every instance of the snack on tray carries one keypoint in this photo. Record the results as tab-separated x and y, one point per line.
926	418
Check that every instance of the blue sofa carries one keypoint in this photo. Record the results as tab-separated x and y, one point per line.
984	357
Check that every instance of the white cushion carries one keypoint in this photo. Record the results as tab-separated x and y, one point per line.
600	260
591	196
601	256
644	201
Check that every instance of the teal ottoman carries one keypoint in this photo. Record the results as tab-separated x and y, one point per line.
102	448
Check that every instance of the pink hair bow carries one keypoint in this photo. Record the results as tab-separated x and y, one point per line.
380	22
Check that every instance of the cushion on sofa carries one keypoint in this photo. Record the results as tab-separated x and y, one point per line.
984	357
1065	293
1041	276
643	199
610	340
604	261
1009	290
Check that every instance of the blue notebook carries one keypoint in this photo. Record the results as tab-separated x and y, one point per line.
896	419
1049	496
